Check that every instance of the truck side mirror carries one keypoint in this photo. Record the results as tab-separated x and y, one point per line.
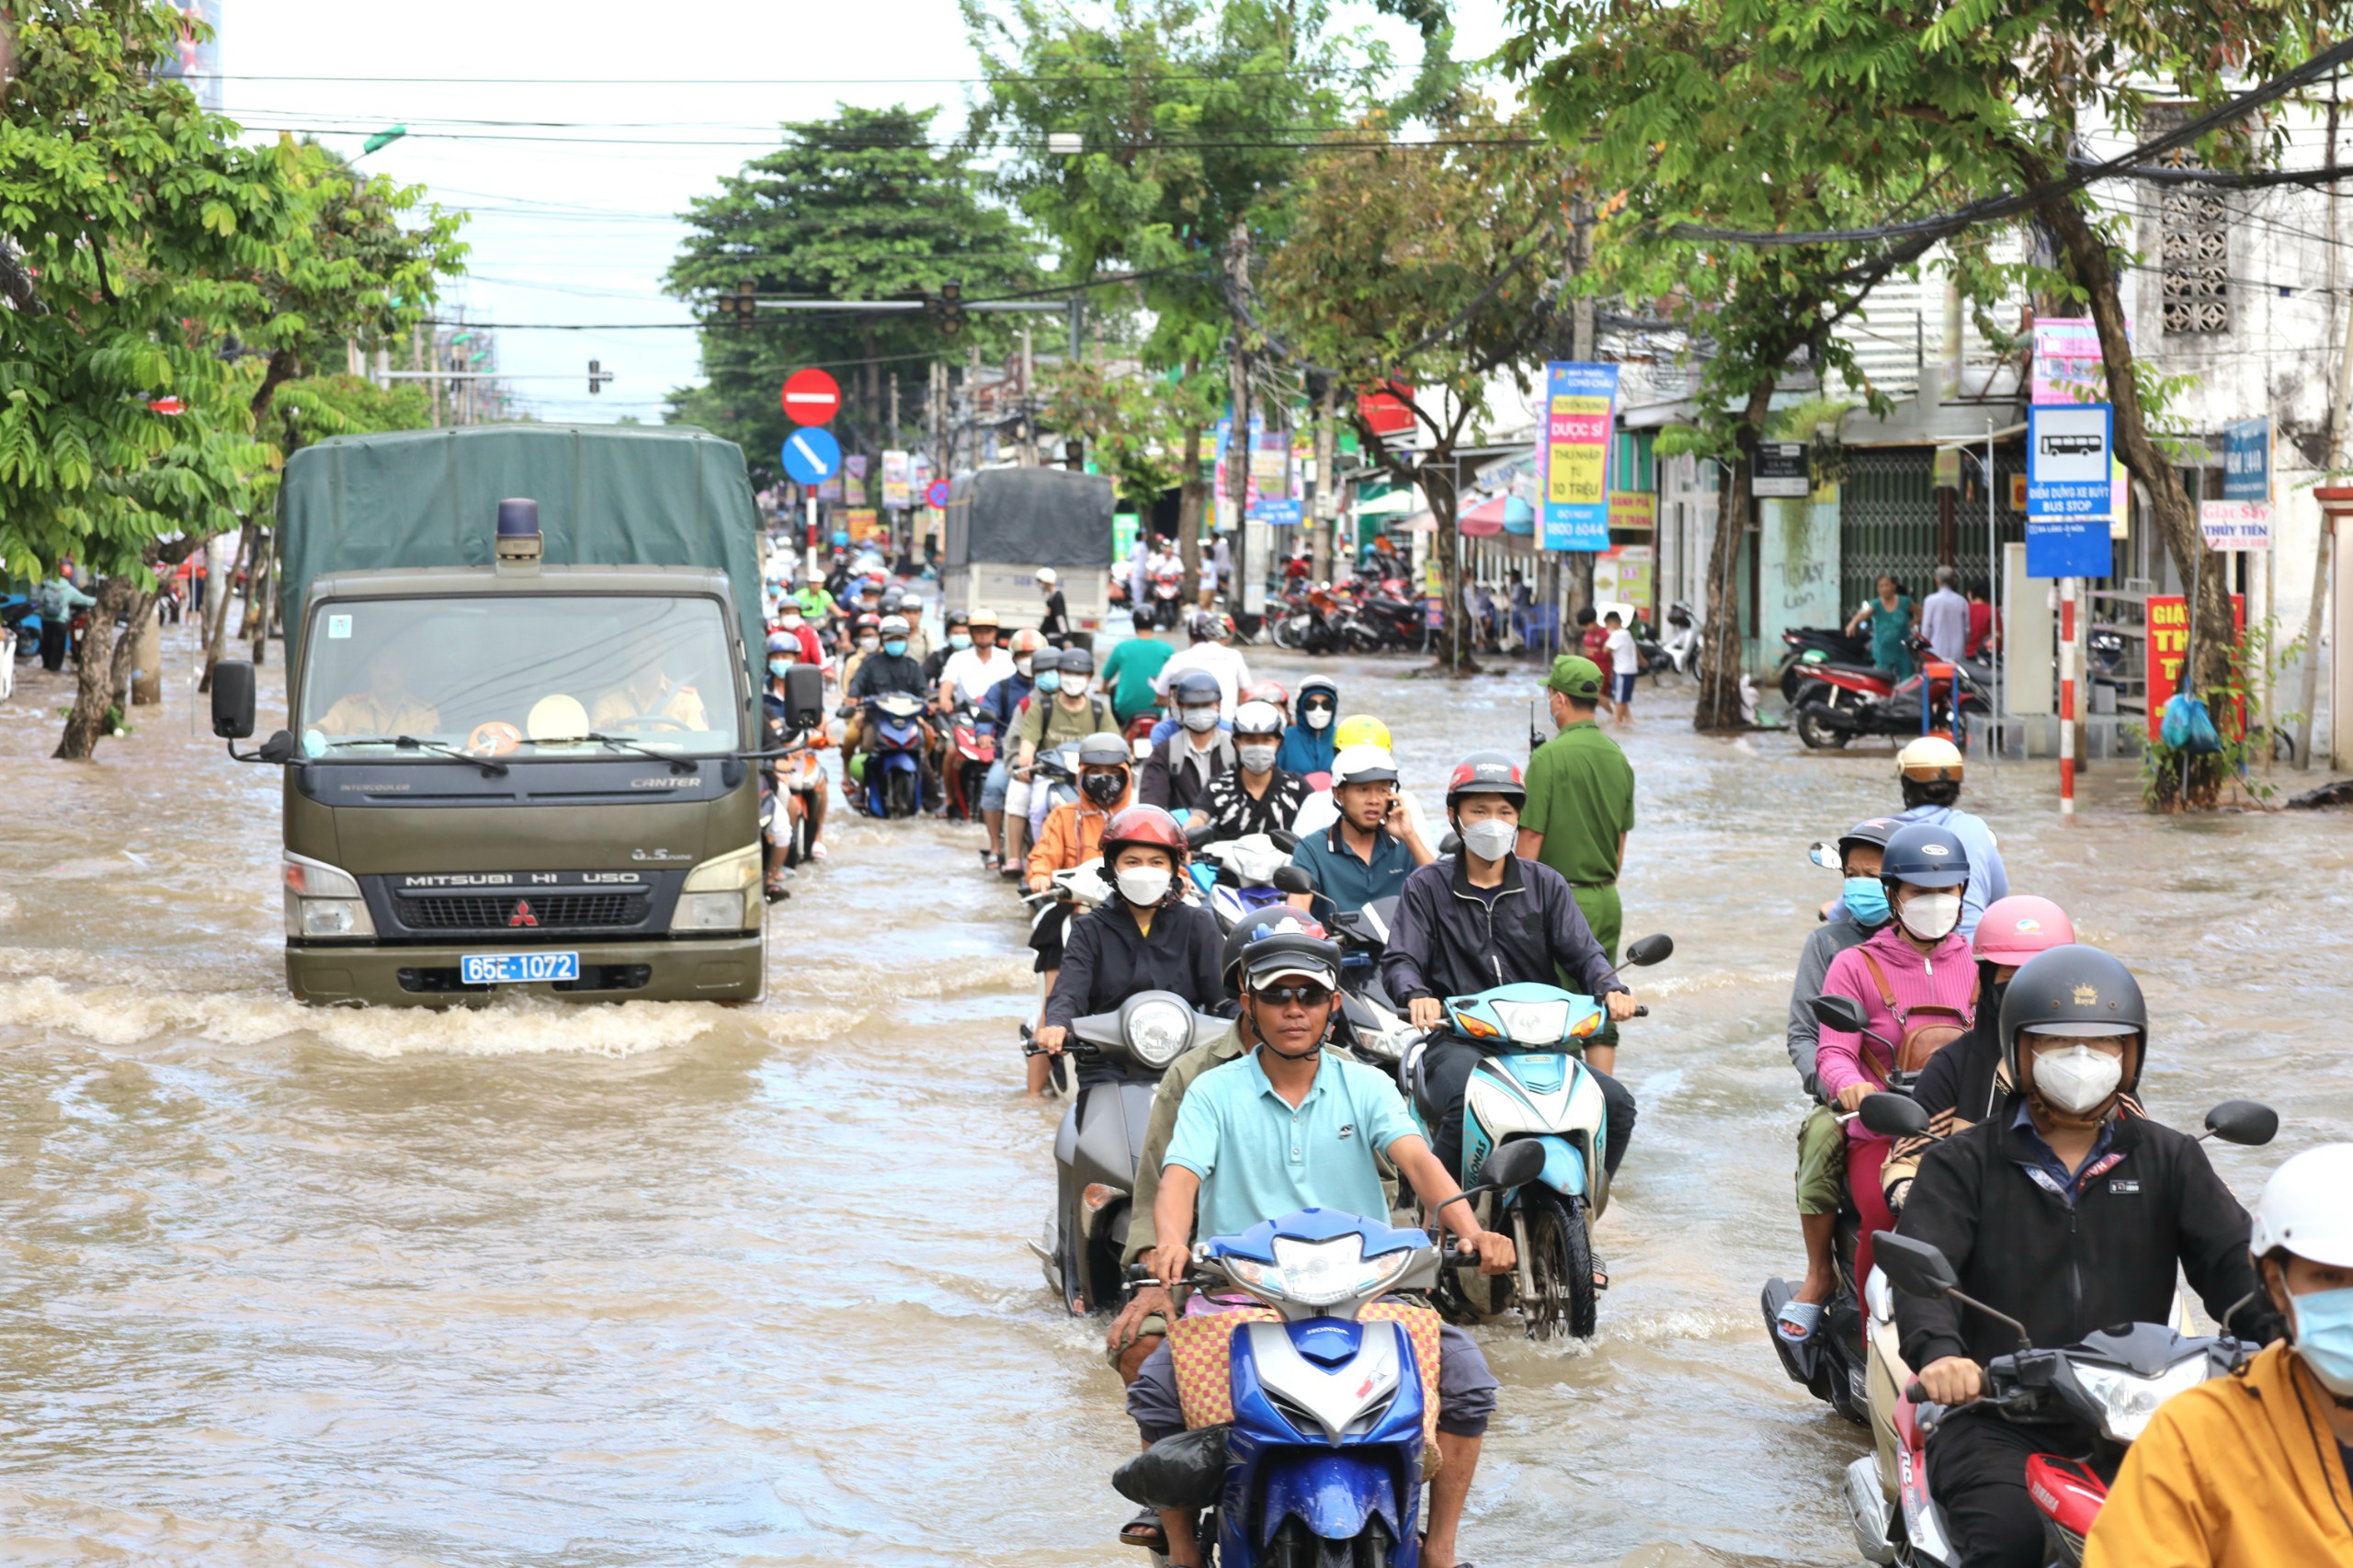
233	700
805	696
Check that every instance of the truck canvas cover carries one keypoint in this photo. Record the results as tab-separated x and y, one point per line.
608	495
1037	516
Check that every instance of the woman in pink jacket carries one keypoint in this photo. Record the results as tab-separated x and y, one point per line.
1917	987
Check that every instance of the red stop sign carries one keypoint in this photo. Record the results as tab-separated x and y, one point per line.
810	397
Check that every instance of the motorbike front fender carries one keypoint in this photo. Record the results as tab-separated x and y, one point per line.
1334	1494
1563	1168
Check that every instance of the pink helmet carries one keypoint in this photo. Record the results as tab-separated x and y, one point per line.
2014	929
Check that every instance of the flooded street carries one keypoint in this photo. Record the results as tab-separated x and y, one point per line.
669	1284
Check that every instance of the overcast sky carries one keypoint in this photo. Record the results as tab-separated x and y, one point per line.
572	215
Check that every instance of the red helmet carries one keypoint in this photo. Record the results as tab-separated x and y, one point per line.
1487	773
2014	929
870	621
1266	691
1144	825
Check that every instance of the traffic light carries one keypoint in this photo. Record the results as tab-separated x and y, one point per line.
947	310
741	307
598	377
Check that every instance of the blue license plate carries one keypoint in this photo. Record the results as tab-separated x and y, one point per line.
510	969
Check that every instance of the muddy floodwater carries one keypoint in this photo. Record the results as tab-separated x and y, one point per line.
683	1284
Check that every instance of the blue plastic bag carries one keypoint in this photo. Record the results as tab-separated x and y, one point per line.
2188	727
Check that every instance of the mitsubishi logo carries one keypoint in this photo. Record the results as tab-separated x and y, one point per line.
522	916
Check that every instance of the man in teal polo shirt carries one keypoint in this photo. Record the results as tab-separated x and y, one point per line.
1291	1126
1371	847
1129	671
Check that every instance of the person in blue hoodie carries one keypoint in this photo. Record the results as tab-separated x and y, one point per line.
1307	742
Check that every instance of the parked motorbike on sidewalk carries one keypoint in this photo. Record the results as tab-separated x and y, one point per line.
1321	1461
1120	1057
1682	642
1533	1085
1840	703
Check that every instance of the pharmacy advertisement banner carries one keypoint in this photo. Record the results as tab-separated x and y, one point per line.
1580	404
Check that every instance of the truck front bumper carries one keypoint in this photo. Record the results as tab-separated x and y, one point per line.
724	969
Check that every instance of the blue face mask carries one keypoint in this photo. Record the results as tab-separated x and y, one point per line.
2324	1337
1867	901
895	646
960	641
778	667
1049	680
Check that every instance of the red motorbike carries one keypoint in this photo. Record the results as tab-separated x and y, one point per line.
971	750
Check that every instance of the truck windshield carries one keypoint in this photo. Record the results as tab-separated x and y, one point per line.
535	676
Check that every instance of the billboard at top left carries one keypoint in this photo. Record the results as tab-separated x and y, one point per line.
197	60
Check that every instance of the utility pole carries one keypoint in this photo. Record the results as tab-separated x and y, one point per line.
1029	405
1327	488
2339	415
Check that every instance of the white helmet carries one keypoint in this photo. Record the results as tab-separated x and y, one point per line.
1257	718
2303	1207
1048	575
1363	765
1929	758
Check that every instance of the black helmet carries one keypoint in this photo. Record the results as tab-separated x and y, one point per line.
1194	687
2073	990
1923	857
1872	830
1487	773
1280	940
1104	748
959	617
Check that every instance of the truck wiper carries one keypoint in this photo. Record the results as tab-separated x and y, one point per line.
677	764
491	768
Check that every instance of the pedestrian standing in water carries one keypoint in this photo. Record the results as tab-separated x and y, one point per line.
1889	620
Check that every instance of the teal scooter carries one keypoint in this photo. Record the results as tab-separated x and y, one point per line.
1533	1085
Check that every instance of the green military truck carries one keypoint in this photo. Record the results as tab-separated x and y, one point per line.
521	751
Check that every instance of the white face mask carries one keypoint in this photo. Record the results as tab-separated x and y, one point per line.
1257	758
1143	884
1318	717
1077	686
1931	917
1200	720
1492	840
2076	1078
1022	665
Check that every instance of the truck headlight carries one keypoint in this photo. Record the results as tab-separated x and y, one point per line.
721	894
322	900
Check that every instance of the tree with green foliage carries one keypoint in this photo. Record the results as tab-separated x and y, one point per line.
1135	425
1428	264
863	206
1193	121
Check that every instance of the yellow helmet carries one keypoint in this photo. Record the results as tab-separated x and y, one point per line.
1361	729
1927	759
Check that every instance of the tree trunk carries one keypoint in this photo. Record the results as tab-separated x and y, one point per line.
94	687
1719	707
125	662
1451	637
1192	495
218	588
283	367
259	613
2212	626
1328	490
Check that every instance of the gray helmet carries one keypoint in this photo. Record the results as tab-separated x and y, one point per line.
2073	990
1104	748
1044	659
1078	661
1195	687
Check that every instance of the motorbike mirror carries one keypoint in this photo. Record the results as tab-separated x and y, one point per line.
1824	852
1513	1164
1894	1116
2246	1122
1450	845
1914	1267
1286	842
1292	879
1199	833
1838	1012
233	700
1645	951
805	696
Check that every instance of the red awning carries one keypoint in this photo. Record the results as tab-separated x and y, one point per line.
1485	518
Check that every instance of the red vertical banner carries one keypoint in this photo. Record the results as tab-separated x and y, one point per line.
2168	646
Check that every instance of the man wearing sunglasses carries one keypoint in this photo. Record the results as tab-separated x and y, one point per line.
1290	1127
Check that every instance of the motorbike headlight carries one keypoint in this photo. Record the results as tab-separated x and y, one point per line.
1158	1032
1387	1044
1534	1023
2127	1400
1317	1273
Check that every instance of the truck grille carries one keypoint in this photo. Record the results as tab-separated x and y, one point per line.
505	912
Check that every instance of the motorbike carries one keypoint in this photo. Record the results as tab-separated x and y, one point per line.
1122	1055
1841	704
1236	876
1167	607
971	750
890	776
1805	645
1307	622
1533	1085
1379	1032
1682	644
1322	1463
2094	1398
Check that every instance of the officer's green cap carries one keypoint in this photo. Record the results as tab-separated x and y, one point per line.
1575	676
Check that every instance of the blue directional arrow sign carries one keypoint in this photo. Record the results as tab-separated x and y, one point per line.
811	455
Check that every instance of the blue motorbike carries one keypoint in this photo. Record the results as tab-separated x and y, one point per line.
1533	1088
890	771
1322	1463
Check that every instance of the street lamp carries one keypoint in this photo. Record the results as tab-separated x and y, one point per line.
383	139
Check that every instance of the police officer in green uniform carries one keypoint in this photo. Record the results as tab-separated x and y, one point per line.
1581	804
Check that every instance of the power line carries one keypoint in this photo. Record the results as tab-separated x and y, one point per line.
841	145
1108	74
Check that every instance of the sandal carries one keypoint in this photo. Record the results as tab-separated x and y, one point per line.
1797	1320
1145	1530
